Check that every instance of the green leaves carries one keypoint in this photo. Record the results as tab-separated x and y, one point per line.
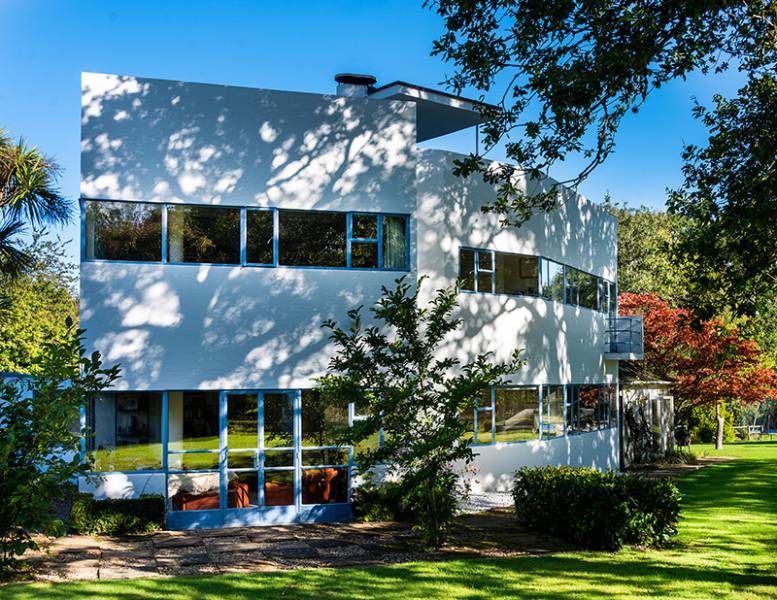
567	72
403	380
597	510
729	198
28	193
39	445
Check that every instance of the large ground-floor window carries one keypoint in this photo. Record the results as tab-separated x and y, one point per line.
227	451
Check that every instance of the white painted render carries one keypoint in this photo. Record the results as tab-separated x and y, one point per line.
179	327
494	466
562	343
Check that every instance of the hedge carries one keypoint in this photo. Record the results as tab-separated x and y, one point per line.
597	510
116	517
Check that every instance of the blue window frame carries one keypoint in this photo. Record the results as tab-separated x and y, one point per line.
488	271
366	241
519	414
476	270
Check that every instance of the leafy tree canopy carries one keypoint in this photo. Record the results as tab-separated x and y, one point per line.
645	261
565	73
39	447
28	195
36	305
708	362
729	201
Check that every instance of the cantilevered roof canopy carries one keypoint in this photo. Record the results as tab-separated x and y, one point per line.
438	113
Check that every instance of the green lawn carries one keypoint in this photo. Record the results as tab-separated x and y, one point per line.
728	548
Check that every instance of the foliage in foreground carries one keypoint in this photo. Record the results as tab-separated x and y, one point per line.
399	377
726	548
597	510
39	447
117	516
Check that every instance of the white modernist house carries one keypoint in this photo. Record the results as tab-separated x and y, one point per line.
222	225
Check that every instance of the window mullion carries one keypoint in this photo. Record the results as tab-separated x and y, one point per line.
243	235
165	258
380	241
348	238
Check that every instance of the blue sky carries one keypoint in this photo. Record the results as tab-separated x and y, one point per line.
46	44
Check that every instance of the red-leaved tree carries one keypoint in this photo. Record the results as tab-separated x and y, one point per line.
708	361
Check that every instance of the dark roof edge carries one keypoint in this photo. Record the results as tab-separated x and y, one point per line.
433	91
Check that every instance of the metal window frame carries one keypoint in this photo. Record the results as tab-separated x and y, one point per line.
541	261
243	262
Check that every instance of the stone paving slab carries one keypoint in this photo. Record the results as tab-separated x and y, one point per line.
257	549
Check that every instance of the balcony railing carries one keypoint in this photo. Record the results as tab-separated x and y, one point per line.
625	338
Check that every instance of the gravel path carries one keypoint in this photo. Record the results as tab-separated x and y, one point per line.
477	503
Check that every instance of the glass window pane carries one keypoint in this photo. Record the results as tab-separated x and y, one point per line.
517	414
485	261
193	420
278	458
123	231
485	427
613	295
573	402
364	255
572	278
325	486
365	226
327	456
552	280
278	488
395	243
467	269
323	419
603	299
241	460
312	238
278	420
588	407
243	489
203	234
127	429
259	237
553	411
516	274
242	421
588	294
485	282
194	491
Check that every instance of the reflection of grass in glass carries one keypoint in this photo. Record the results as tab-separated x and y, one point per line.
515	435
128	458
149	456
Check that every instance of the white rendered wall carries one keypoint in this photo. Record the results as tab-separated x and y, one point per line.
192	327
494	467
562	343
122	485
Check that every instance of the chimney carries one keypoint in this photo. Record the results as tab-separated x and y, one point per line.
353	84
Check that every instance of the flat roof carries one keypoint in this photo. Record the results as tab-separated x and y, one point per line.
438	113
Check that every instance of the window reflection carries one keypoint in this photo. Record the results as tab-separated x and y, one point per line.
203	234
127	431
312	238
517	414
123	231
